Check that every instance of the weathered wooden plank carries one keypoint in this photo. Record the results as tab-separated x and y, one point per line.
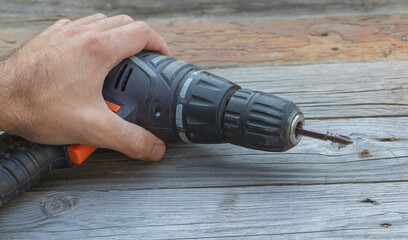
333	90
274	212
205	8
372	158
289	41
263	41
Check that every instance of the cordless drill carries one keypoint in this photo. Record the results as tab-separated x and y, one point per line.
177	102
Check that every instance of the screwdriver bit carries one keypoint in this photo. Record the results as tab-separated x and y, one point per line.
322	135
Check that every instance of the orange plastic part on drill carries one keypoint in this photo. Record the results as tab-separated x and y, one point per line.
78	152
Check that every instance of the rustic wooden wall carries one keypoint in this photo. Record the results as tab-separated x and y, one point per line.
239	33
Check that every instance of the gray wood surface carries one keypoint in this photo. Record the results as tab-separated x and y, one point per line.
314	191
317	190
267	212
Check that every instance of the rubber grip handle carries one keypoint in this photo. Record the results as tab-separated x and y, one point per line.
79	152
24	163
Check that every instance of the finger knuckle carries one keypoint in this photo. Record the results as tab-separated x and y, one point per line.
95	44
62	21
141	146
75	31
125	18
98	15
103	22
142	25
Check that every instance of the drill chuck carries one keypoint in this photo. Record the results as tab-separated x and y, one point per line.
261	121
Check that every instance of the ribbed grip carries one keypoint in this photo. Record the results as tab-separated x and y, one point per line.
203	106
24	163
260	121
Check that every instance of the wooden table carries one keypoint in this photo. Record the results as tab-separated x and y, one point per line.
345	66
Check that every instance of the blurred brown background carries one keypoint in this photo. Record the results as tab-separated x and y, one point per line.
219	33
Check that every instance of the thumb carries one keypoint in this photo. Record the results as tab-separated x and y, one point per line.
131	139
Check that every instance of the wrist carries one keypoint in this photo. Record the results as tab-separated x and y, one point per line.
6	101
17	102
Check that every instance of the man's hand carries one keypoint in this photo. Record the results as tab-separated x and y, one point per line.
51	88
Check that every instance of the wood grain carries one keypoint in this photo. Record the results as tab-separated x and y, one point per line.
317	190
322	91
266	42
206	166
272	212
260	38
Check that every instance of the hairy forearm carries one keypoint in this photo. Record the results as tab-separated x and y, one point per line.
5	120
12	107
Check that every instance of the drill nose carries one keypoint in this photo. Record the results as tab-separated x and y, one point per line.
297	122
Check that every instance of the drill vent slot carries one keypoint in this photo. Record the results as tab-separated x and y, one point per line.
121	71
126	79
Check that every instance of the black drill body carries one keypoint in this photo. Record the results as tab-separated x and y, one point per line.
180	103
177	102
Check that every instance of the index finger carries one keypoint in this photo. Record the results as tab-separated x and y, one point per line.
129	39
